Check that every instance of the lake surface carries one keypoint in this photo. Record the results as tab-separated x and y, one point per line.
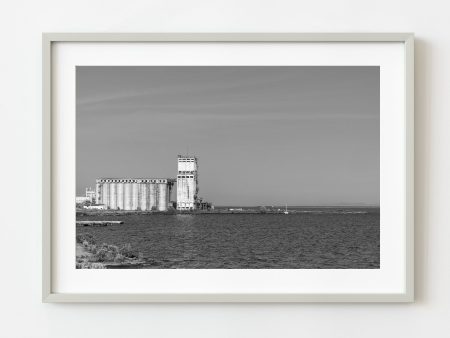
307	238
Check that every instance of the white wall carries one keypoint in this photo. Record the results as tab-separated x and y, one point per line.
23	315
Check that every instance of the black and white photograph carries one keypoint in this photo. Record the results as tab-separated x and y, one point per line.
227	167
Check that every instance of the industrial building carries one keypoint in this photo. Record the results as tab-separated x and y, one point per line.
89	197
135	193
153	193
187	182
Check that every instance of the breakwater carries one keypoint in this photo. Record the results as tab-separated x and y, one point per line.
97	223
250	211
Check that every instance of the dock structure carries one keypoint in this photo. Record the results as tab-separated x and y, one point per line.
134	193
97	223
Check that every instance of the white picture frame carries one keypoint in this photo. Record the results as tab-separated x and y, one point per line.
48	292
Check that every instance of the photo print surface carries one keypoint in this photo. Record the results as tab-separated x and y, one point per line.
226	167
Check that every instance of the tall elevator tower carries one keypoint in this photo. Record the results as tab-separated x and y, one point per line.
187	182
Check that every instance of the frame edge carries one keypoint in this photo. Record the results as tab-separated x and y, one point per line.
409	184
230	37
46	166
48	38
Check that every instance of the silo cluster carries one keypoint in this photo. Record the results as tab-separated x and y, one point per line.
134	194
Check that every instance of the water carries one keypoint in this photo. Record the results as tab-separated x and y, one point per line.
313	238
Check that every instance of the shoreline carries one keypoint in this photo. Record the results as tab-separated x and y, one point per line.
81	212
105	256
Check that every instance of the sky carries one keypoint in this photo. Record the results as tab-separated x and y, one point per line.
263	135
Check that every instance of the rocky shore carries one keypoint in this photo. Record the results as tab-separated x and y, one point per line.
91	255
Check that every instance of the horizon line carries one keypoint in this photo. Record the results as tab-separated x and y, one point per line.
309	205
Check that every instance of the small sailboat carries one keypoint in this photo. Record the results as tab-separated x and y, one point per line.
286	212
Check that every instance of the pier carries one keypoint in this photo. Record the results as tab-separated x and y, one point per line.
97	223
